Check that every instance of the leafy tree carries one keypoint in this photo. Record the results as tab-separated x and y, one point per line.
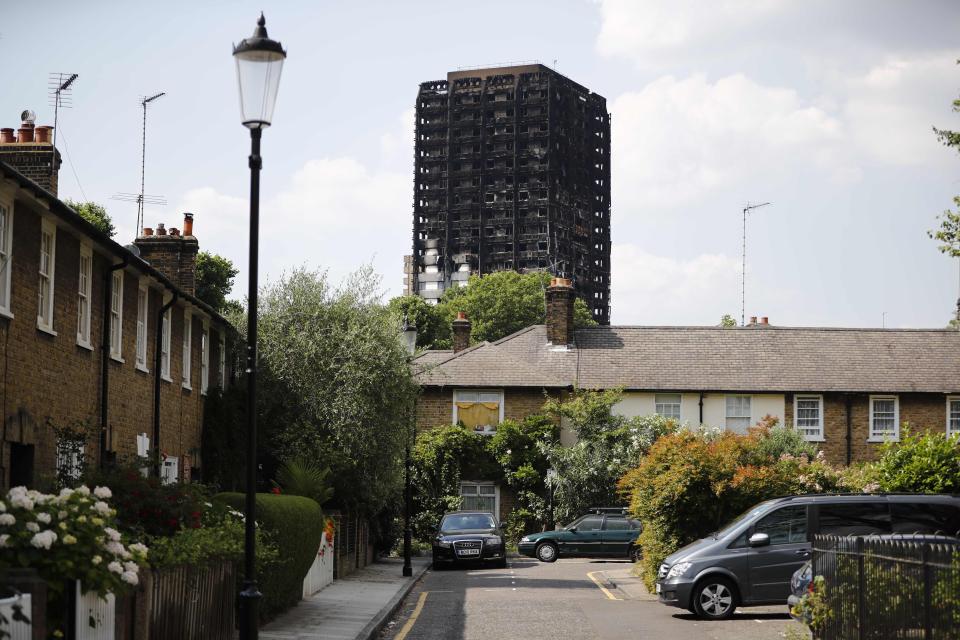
920	463
95	214
948	233
432	325
728	321
215	276
301	476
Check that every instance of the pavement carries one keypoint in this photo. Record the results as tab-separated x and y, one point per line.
353	608
573	599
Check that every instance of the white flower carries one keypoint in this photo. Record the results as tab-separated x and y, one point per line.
44	518
115	548
17	492
96	560
83	490
44	539
3	507
131	566
66	492
102	508
7	518
115	567
62	514
21	500
129	577
103	492
3	540
33	526
113	534
139	548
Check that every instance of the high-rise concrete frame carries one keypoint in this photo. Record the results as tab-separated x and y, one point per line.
512	171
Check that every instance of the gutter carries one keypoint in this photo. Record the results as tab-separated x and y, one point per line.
701	408
157	354
105	359
849	407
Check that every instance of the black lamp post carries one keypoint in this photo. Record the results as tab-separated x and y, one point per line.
259	63
410	342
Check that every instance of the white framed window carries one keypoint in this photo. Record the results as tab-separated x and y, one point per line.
480	496
668	405
187	343
143	309
808	416
479	410
116	316
223	362
884	418
6	256
738	413
953	415
170	470
84	296
70	459
165	345
48	260
204	359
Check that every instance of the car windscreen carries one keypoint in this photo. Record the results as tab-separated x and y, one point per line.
467	521
752	512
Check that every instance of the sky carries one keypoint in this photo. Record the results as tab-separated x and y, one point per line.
823	108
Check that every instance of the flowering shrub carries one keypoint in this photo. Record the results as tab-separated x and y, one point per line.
68	536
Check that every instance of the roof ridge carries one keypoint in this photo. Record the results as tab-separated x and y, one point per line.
515	334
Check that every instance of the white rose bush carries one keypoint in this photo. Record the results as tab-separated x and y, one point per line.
68	536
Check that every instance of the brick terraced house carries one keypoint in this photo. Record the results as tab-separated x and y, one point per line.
78	331
848	390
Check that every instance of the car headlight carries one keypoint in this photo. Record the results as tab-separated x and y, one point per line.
678	569
493	541
525	539
443	543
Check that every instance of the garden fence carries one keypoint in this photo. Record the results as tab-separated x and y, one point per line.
887	589
193	603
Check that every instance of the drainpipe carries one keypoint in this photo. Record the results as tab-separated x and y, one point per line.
105	360
849	407
701	408
157	351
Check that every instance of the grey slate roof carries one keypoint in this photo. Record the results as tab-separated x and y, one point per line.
756	359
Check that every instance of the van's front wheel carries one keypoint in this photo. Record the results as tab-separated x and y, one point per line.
714	598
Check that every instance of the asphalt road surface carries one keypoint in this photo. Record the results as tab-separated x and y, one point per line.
571	599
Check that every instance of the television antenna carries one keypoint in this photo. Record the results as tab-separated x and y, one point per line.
743	259
59	88
141	198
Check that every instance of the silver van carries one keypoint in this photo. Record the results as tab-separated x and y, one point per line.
751	560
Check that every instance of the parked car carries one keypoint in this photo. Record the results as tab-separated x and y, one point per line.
604	532
751	561
469	537
802	581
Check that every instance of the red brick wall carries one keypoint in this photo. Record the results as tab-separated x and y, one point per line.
435	405
46	379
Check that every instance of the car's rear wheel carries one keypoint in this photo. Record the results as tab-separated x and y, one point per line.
547	552
714	598
636	554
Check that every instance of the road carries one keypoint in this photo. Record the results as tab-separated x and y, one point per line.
571	599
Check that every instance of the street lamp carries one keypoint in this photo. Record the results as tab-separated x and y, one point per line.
410	342
259	62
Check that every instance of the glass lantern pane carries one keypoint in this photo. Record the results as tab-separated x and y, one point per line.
258	75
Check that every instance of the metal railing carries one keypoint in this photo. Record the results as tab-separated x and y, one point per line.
877	588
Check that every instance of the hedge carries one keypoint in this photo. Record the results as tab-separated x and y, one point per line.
295	526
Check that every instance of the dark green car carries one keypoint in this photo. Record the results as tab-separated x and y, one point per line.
603	533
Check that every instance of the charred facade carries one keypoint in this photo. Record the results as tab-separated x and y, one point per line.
512	172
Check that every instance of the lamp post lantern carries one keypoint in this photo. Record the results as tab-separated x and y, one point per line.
259	63
410	342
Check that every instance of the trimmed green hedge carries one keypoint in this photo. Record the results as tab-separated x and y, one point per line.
295	526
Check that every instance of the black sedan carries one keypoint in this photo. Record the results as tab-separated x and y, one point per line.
469	537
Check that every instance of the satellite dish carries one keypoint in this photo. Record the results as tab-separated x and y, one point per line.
28	116
134	249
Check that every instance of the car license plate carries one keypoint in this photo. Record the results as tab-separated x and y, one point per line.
658	587
468	552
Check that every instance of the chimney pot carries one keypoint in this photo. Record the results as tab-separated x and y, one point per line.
147	231
6	136
174	232
461	332
42	134
188	224
25	133
161	230
764	320
753	319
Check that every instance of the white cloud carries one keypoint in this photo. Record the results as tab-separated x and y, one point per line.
658	290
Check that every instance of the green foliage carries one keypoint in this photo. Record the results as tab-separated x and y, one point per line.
781	442
295	525
300	476
433	326
814	607
920	463
224	437
95	214
608	444
215	276
335	385
728	321
948	233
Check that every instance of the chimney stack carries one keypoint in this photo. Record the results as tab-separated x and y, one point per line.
764	320
172	254
753	320
461	332
31	153
560	298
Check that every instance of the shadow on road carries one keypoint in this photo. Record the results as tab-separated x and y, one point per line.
739	615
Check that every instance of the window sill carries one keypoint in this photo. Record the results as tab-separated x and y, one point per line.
84	344
187	386
117	358
48	330
815	439
166	378
883	439
142	368
6	313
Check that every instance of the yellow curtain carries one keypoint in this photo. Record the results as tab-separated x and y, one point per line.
478	414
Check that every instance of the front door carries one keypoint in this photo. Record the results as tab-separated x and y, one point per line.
772	566
587	540
618	534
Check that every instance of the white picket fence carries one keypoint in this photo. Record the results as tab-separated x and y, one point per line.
321	572
96	616
17	629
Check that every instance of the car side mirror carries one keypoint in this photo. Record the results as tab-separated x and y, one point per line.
572	529
759	540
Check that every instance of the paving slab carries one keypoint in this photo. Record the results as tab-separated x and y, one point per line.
353	608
